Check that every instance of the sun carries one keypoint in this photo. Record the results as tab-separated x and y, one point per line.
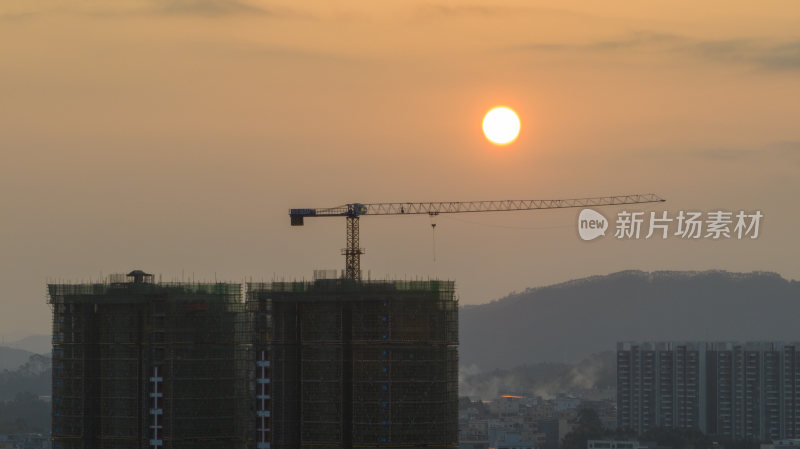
501	125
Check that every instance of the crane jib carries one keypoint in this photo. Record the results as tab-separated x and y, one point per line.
445	207
353	211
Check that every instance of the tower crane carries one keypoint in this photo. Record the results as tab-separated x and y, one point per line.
353	211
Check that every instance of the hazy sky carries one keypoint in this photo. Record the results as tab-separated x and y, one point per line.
174	135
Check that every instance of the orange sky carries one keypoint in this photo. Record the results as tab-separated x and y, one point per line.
174	135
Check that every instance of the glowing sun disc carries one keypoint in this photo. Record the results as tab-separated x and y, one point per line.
501	125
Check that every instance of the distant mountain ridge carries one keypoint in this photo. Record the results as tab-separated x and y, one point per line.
12	358
568	321
37	344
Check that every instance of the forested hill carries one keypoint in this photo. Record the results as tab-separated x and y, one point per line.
566	322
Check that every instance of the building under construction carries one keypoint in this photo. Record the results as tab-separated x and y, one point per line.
346	364
332	363
138	364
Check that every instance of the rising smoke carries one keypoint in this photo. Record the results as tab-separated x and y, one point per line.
545	380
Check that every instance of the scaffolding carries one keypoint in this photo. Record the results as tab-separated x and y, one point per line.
138	364
357	364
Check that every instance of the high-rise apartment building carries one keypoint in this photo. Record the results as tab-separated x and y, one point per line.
356	364
139	364
739	390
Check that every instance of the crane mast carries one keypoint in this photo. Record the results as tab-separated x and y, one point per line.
353	211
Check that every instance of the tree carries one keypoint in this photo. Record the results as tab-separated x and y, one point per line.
587	427
26	413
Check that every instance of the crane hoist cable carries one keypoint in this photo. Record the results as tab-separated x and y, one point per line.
433	234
